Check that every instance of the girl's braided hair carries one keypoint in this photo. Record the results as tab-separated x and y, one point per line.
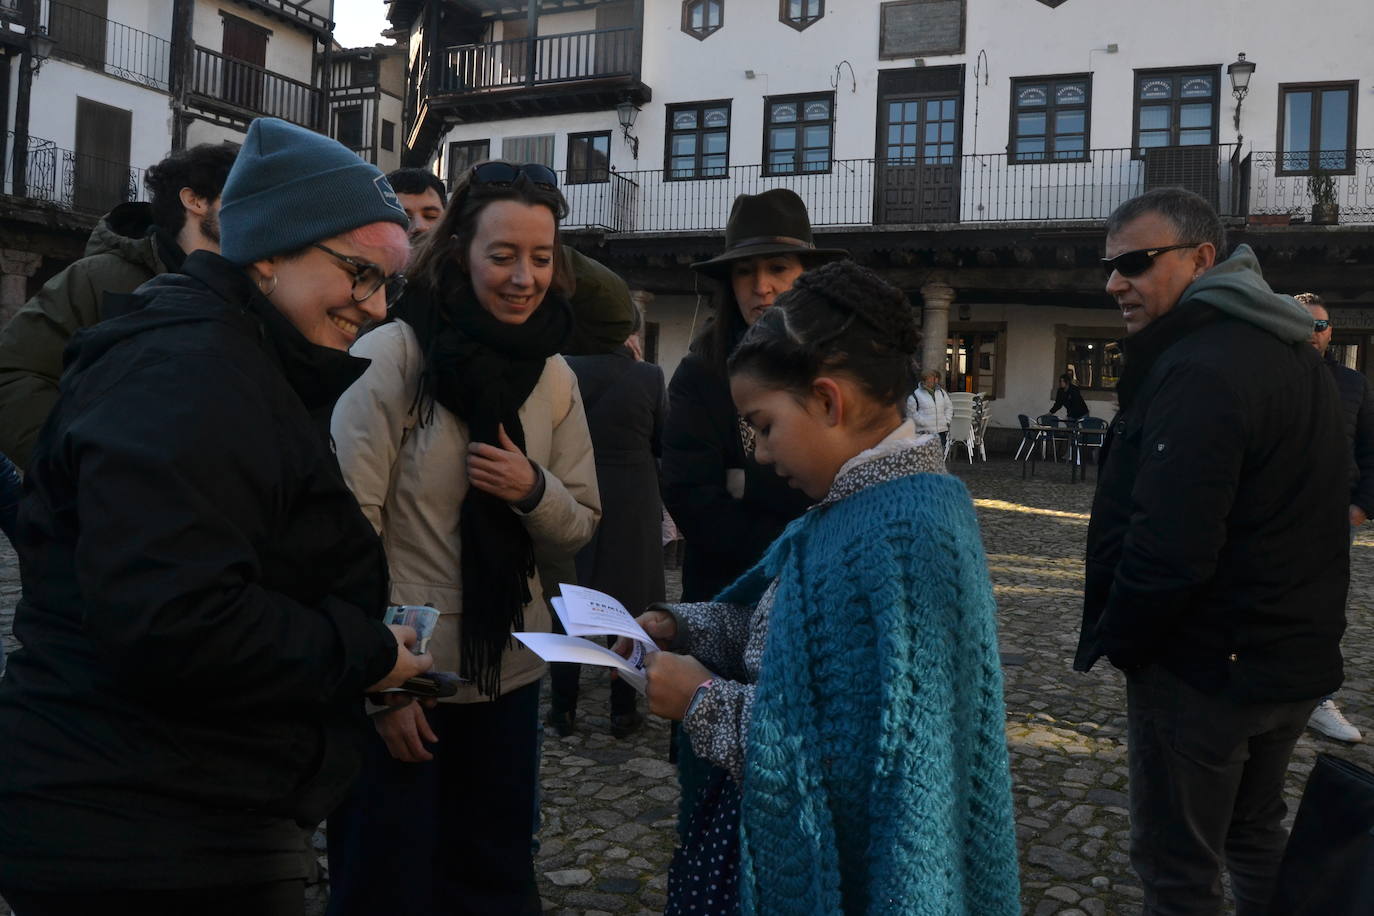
839	319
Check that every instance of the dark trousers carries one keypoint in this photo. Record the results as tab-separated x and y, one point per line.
277	898
1207	778
11	488
448	836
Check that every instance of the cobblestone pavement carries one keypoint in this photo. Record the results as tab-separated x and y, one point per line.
609	805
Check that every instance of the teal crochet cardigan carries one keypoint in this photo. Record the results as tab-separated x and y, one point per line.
876	778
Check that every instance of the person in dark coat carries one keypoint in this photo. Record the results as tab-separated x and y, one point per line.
728	507
625	402
130	245
1358	402
1070	398
1217	557
202	602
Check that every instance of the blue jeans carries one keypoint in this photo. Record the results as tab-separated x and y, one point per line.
11	488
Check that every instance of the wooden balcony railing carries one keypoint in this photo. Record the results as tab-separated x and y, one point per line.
569	57
254	89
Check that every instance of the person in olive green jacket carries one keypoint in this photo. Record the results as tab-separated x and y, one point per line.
131	244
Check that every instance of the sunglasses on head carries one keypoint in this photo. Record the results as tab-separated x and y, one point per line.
503	174
1321	324
1135	263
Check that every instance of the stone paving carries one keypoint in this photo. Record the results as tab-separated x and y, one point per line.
609	805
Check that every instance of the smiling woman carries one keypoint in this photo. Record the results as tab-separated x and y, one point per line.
467	446
203	603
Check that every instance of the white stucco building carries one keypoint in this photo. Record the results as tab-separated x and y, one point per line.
92	92
967	149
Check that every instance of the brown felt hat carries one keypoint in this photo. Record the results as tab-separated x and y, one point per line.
774	222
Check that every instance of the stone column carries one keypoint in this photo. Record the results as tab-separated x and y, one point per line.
937	296
15	269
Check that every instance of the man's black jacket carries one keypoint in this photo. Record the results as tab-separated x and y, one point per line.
201	607
1358	403
1218	544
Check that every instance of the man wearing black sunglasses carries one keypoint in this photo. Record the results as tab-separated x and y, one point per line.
1215	578
1358	403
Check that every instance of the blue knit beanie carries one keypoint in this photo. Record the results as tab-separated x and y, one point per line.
291	186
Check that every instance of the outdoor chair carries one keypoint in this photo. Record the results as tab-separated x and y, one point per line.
960	431
1028	437
980	430
1052	438
1092	433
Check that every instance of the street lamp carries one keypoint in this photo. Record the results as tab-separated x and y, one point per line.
626	112
1240	73
40	47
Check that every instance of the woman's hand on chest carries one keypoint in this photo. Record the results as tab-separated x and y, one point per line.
501	470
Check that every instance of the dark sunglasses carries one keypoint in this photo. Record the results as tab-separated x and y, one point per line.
503	174
368	278
1135	263
1321	324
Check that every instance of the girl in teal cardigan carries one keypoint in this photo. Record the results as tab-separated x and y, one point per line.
842	701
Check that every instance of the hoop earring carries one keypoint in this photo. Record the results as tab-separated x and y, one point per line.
267	292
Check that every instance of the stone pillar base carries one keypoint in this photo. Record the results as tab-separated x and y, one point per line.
16	267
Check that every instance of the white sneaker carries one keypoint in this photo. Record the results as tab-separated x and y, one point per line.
1327	719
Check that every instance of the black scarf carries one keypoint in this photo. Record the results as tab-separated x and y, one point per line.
483	370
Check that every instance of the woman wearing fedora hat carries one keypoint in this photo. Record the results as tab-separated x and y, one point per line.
729	507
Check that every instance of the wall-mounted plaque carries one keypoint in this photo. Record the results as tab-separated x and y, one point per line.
921	28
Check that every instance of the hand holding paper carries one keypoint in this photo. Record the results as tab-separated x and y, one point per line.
587	612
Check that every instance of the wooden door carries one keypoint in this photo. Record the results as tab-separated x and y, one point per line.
78	27
516	51
919	129
614	51
245	61
100	165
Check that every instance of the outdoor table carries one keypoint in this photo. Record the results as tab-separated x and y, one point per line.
1072	434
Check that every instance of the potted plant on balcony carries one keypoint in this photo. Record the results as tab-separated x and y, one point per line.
1321	185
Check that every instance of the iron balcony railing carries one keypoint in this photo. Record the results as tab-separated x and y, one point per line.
41	171
572	56
984	188
113	47
254	89
1289	193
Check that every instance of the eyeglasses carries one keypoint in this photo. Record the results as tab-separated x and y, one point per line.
1321	324
368	278
503	174
1135	263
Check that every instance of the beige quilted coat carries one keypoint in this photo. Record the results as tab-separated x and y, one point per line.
410	481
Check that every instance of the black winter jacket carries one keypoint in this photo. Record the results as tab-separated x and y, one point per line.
1070	398
1358	403
724	536
201	607
1218	545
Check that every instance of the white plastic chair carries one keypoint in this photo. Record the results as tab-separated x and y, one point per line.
961	431
980	434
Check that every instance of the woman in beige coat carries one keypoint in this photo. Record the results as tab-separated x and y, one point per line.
466	445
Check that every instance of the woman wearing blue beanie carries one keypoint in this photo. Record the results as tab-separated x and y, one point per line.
466	444
202	595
